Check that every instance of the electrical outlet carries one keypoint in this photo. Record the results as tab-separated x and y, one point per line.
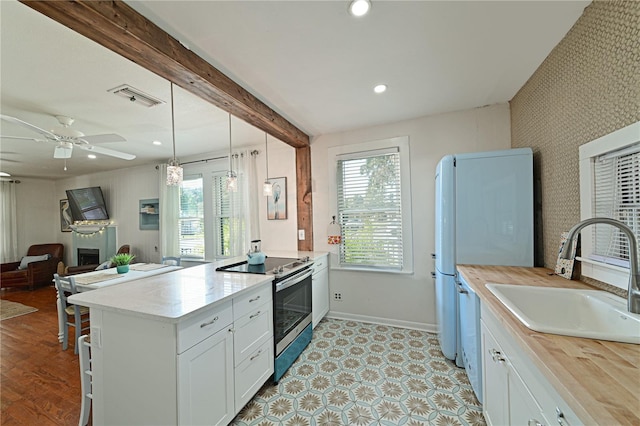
337	296
301	234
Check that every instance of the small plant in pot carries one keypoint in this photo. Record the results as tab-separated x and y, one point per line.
122	261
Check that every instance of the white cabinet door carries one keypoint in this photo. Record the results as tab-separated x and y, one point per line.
320	292
206	383
523	408
495	381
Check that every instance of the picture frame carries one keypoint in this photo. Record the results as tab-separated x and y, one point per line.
65	216
277	203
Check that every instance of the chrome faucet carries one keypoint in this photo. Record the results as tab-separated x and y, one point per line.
633	300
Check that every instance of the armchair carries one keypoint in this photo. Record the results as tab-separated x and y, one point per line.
36	273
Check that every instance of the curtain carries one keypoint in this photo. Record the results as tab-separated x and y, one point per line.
9	246
244	224
169	200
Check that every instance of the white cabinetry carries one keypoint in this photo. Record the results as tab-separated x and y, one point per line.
206	385
201	370
252	343
515	391
320	289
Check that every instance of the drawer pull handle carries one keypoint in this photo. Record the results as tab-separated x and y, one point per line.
256	355
534	422
496	356
560	416
253	300
255	315
206	324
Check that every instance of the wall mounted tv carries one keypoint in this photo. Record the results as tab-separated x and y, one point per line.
87	204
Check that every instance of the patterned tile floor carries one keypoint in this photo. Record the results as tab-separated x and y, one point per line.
354	373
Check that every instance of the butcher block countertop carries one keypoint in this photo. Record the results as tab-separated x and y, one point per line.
599	380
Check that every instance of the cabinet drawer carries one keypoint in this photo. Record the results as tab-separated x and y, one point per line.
250	301
253	372
251	331
201	326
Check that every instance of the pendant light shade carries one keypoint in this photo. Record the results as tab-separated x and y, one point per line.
174	170
267	186
232	178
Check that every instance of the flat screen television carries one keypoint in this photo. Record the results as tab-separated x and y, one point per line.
87	204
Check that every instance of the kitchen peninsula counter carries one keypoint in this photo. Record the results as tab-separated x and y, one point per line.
599	380
174	296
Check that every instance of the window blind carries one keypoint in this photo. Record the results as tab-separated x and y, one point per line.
616	195
370	209
228	217
191	220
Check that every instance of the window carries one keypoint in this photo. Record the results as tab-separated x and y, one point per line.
373	205
616	195
228	218
191	219
610	187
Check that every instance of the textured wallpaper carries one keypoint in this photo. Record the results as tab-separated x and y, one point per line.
587	87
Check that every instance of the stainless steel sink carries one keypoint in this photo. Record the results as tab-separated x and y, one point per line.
570	312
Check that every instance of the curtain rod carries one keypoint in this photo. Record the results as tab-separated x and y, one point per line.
10	180
205	160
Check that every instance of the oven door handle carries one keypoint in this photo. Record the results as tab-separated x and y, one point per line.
293	280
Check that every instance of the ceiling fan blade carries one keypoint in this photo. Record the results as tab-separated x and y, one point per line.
108	137
31	127
22	138
106	151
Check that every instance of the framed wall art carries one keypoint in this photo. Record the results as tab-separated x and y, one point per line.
277	203
65	216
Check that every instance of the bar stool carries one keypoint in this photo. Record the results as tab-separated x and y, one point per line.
171	260
76	316
84	343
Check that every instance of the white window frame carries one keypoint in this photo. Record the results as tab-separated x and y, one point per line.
402	143
588	153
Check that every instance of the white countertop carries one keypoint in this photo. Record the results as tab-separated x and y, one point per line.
177	295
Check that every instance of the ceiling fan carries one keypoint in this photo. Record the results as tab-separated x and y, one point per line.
66	138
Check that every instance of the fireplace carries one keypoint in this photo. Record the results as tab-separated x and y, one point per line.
88	256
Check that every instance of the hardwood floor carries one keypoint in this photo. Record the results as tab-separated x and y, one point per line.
39	382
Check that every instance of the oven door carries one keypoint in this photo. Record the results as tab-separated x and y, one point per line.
292	307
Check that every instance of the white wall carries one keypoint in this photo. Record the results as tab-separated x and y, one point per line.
279	235
122	191
406	300
38	220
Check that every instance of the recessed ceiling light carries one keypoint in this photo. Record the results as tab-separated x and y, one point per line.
380	88
4	174
92	156
157	143
359	7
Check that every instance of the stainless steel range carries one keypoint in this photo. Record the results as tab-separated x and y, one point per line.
291	305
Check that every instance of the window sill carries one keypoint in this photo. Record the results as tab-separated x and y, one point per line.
604	272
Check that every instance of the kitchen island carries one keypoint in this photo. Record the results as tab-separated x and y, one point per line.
187	347
598	380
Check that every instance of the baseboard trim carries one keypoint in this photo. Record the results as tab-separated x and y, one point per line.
429	328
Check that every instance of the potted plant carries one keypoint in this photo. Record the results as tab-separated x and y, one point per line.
122	261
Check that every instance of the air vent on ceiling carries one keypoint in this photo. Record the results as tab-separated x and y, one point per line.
136	96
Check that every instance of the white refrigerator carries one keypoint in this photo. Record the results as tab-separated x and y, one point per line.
484	216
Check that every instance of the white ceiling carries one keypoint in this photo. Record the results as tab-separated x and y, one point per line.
308	60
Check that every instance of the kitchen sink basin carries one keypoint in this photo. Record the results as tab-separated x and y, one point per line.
593	314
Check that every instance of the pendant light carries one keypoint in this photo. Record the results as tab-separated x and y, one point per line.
232	178
174	170
267	186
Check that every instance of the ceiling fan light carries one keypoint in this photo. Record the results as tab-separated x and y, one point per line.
174	174
267	188
63	150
